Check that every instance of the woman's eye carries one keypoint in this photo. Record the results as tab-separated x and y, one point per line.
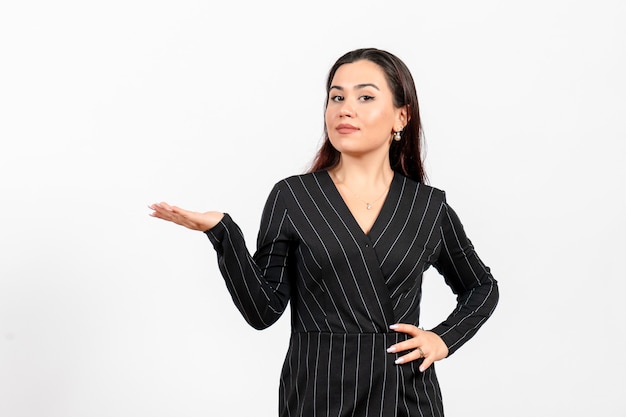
336	98
366	98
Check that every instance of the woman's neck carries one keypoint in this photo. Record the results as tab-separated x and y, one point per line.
361	174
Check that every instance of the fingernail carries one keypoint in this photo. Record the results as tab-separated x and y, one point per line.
398	361
391	349
393	326
422	369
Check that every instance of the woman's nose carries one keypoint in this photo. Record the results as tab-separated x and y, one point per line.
346	110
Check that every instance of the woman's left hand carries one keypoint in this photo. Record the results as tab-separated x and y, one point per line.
422	344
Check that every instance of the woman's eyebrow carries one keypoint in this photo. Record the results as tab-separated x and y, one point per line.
359	86
356	87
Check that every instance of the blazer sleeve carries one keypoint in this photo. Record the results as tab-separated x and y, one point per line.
472	282
259	284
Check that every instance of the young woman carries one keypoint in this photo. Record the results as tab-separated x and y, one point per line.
346	245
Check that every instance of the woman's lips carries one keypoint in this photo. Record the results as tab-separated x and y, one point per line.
345	129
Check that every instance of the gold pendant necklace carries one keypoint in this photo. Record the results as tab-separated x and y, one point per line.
368	205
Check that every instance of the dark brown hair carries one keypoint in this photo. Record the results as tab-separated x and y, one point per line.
405	155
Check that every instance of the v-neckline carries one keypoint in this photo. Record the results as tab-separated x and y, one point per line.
344	211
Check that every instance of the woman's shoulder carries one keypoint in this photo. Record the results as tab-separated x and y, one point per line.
421	187
300	180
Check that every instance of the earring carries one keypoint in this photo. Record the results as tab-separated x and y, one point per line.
397	136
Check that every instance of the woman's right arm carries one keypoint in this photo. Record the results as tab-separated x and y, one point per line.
258	284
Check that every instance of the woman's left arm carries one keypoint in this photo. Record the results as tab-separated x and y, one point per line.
477	296
470	279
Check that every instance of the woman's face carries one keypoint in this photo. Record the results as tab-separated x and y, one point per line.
360	116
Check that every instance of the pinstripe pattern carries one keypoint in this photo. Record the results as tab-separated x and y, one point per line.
345	289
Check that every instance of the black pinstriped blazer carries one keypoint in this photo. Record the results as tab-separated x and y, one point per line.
346	288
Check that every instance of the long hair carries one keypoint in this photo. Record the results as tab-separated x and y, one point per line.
405	155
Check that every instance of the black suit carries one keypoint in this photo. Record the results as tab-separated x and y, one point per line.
346	288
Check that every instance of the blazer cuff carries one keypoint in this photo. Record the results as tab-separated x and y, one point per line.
217	233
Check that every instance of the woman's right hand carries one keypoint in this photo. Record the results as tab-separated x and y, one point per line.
190	219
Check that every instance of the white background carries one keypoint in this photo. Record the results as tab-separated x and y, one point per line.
106	107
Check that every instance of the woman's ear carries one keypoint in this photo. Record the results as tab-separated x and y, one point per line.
402	118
